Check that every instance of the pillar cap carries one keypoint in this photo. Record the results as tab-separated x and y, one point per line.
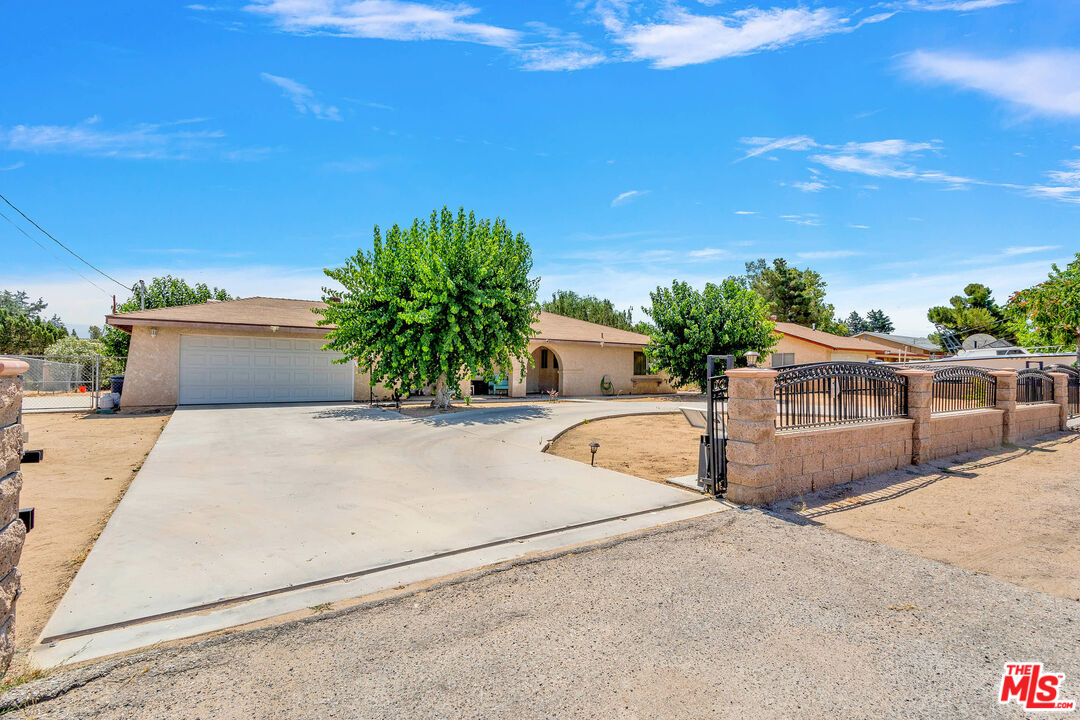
10	367
751	373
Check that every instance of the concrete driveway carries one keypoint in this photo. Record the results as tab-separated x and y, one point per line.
245	512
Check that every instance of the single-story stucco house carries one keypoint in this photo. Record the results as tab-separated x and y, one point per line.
905	347
800	344
261	349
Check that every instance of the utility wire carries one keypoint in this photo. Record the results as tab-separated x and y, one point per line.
36	242
81	259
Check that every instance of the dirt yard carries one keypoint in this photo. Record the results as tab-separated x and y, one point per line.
1011	514
89	462
654	447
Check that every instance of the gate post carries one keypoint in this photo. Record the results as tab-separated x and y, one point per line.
751	429
12	530
919	393
1061	397
1006	401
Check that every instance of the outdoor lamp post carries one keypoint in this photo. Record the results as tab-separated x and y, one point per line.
593	447
752	358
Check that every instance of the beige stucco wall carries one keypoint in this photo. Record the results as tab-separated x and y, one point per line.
152	376
808	352
583	365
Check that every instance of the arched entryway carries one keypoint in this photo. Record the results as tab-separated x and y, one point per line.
544	374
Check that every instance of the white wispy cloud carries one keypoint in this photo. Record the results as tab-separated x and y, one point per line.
761	145
302	97
683	38
1028	249
709	253
746	212
384	19
13	166
859	227
1066	187
827	254
954	5
550	49
1046	82
811	186
629	195
811	219
143	141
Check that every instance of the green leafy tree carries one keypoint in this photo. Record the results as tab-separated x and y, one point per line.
26	335
166	291
1049	313
435	303
855	323
973	312
724	319
18	302
878	321
589	308
23	330
793	295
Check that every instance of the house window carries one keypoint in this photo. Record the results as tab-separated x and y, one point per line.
641	363
783	359
543	359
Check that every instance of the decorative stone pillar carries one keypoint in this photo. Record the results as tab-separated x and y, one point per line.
1006	401
751	433
13	532
1061	397
919	392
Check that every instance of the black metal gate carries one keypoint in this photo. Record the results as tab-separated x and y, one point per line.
712	455
1074	387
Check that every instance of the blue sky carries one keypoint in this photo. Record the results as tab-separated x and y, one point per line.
902	149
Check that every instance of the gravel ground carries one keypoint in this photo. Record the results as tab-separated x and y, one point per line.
739	615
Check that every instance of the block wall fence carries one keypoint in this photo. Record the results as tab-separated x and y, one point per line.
13	532
766	464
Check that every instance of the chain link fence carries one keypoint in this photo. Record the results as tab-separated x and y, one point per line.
67	382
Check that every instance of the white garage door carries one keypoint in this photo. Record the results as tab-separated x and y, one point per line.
227	369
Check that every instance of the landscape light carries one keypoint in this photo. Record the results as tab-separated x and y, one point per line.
593	447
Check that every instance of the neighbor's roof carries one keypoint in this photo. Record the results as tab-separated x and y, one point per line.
920	342
836	342
262	312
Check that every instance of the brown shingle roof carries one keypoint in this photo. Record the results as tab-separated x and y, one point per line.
836	342
286	313
282	312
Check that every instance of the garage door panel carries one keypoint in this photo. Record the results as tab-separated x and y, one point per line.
236	369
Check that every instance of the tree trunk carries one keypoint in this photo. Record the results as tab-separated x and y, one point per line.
442	394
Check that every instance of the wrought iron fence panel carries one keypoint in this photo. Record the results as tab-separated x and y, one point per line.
838	393
1034	386
960	387
1073	394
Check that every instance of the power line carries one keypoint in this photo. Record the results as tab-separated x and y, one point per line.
81	259
38	243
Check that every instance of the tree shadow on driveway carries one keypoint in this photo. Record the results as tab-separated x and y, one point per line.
487	416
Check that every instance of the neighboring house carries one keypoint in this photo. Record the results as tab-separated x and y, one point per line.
262	349
904	347
800	344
